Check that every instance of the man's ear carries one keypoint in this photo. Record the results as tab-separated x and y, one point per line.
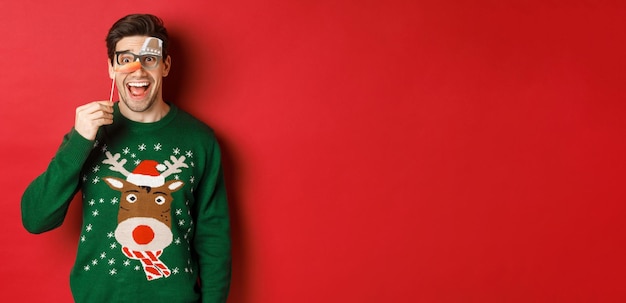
111	70
167	63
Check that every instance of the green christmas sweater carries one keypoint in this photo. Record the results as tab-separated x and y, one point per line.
155	213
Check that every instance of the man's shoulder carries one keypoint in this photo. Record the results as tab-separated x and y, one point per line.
193	124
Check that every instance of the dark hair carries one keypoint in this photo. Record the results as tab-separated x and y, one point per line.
136	25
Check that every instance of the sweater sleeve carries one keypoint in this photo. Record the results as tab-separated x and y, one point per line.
46	199
212	239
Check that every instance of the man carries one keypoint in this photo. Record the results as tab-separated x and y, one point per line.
155	213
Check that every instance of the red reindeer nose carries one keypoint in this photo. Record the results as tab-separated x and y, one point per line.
143	234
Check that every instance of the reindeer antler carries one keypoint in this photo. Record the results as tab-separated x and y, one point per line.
173	167
116	165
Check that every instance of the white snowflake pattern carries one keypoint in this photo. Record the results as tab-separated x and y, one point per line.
96	143
95	180
141	147
113	272
158	147
94	262
133	155
87	267
101	200
110	235
189	154
137	162
95	213
175	270
176	151
193	164
179	211
89	227
92	202
96	169
126	150
177	241
103	255
181	222
192	179
85	178
111	261
137	267
83	238
104	148
113	245
114	200
126	262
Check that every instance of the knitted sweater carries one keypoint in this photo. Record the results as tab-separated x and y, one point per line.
155	213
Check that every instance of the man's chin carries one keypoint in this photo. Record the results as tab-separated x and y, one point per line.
137	106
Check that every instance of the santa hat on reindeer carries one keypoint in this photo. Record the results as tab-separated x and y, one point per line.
147	173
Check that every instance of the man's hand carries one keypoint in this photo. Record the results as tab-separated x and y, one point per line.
91	116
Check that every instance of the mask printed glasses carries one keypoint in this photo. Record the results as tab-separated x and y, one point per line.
149	55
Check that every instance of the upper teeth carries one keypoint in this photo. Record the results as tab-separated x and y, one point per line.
138	84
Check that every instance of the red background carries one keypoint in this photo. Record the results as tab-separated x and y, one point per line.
375	151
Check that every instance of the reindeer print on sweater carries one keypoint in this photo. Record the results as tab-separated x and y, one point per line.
142	198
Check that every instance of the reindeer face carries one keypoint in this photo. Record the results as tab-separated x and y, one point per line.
144	213
143	201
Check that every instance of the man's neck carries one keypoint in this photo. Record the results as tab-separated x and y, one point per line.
153	114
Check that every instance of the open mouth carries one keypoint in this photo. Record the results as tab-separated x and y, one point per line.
138	89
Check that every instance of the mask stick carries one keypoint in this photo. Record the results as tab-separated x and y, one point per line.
112	88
